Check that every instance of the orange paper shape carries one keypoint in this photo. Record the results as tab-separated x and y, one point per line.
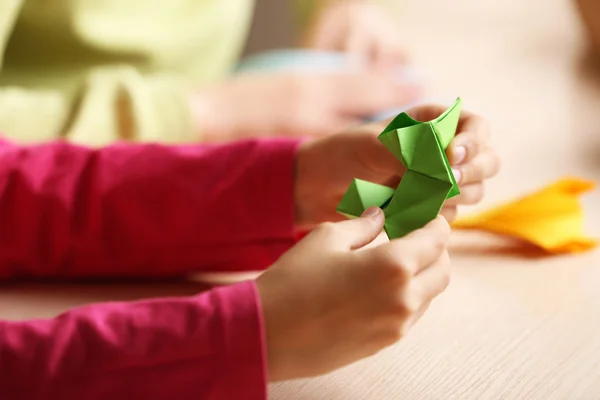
551	218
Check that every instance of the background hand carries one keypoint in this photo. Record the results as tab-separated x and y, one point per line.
327	305
295	104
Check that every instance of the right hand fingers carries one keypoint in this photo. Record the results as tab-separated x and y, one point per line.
424	288
417	293
416	251
432	281
354	233
449	211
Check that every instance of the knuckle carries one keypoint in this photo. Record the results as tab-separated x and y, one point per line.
474	144
397	333
445	260
486	129
479	193
481	143
391	333
440	240
395	263
445	229
473	194
326	230
487	165
405	267
447	278
468	173
407	303
496	163
450	213
445	270
399	311
413	298
438	245
483	128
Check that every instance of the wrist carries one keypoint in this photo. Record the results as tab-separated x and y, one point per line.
201	111
304	182
276	323
205	114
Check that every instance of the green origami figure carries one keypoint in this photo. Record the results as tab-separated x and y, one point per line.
427	183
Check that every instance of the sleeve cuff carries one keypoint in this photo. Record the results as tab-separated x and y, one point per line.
271	206
244	373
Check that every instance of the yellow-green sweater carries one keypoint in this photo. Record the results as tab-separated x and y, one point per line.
94	71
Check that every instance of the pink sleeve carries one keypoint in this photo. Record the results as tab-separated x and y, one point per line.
206	347
144	210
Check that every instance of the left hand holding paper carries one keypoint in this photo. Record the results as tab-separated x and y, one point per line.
471	155
327	166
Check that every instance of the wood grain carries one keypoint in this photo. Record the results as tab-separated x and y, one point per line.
512	325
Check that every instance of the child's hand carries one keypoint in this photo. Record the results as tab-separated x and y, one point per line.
327	305
301	104
470	154
360	28
326	167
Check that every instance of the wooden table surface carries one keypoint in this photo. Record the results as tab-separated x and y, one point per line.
512	325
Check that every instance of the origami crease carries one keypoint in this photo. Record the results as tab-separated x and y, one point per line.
427	183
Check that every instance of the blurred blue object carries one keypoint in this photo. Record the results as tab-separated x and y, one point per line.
317	61
294	60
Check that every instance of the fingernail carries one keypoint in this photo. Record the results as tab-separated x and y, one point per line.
457	174
371	212
459	154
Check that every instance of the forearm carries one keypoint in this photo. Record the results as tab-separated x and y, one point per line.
144	210
194	347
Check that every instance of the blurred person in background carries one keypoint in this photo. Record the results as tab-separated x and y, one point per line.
98	71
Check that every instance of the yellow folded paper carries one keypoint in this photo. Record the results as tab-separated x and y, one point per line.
551	218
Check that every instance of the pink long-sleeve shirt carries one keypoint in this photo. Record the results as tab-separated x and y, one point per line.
143	210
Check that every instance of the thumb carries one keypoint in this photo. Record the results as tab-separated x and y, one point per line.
359	232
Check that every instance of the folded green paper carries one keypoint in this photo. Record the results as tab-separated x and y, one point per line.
427	183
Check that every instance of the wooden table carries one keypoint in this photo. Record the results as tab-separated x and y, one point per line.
512	325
